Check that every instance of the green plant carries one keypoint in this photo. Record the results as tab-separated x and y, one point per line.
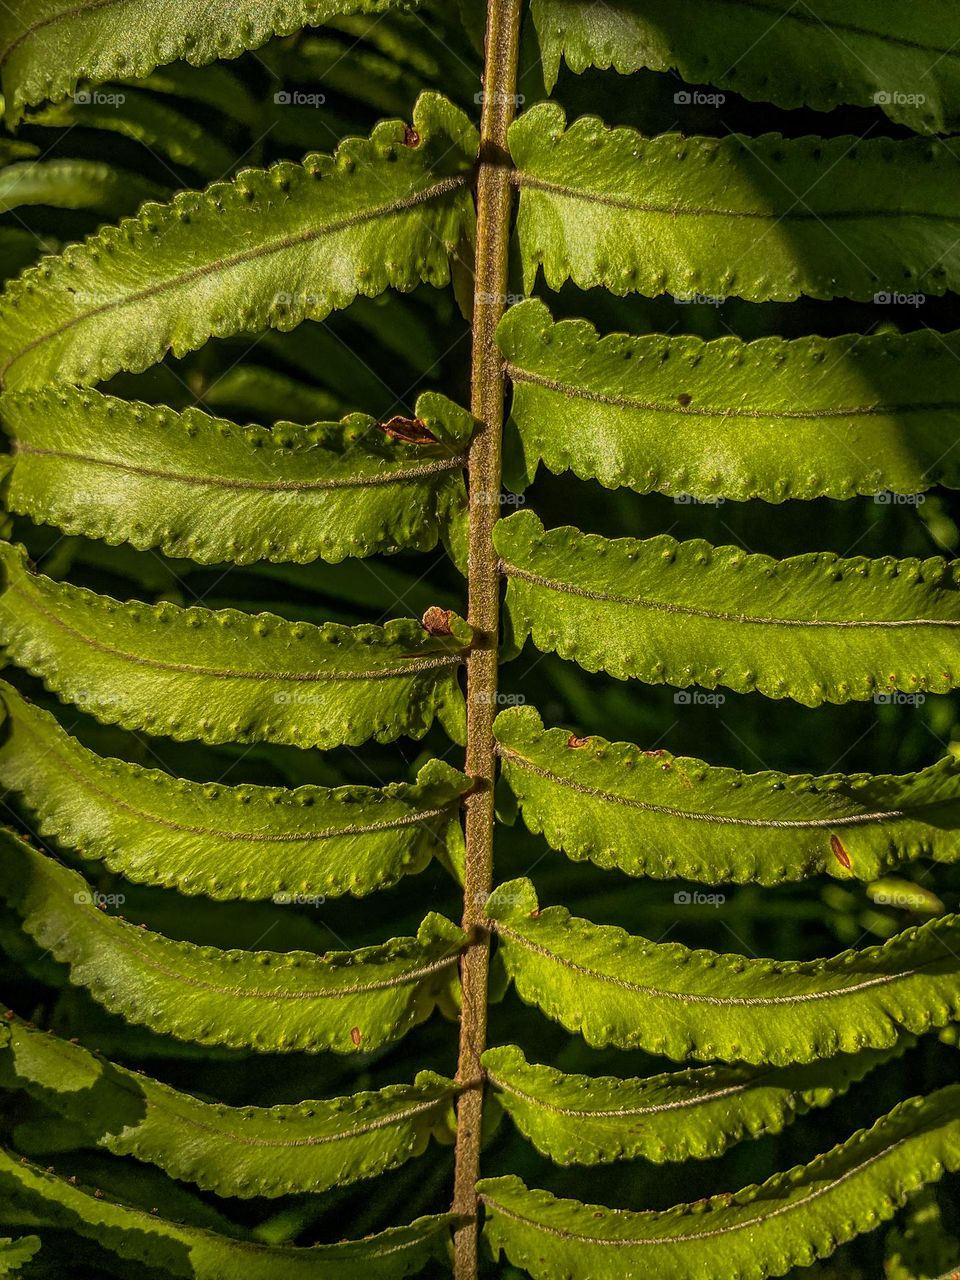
134	362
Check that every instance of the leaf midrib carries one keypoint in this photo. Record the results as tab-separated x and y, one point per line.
227	673
715	615
400	475
690	997
573	391
847	820
528	181
172	283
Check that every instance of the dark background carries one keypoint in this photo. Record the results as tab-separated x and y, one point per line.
377	357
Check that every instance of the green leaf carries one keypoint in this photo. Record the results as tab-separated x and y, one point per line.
148	120
902	58
224	676
48	46
196	1254
15	1254
233	1151
920	1247
767	219
270	249
347	1001
696	1114
791	1220
73	184
199	487
227	842
815	628
615	989
810	418
650	813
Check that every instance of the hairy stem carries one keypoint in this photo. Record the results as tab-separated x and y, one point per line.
494	203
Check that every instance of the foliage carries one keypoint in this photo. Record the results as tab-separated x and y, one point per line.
256	535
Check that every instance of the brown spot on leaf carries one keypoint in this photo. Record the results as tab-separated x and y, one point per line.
684	400
72	1179
656	754
408	430
356	1035
839	852
436	621
574	741
535	913
410	137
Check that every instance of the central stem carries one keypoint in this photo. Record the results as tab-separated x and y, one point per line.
494	202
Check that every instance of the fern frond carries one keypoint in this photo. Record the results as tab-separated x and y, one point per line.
225	676
860	52
270	249
791	1220
772	419
197	1254
148	120
15	1254
197	486
920	1247
651	813
748	217
233	1151
73	184
815	628
615	989
696	1114
347	1001
226	842
48	46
